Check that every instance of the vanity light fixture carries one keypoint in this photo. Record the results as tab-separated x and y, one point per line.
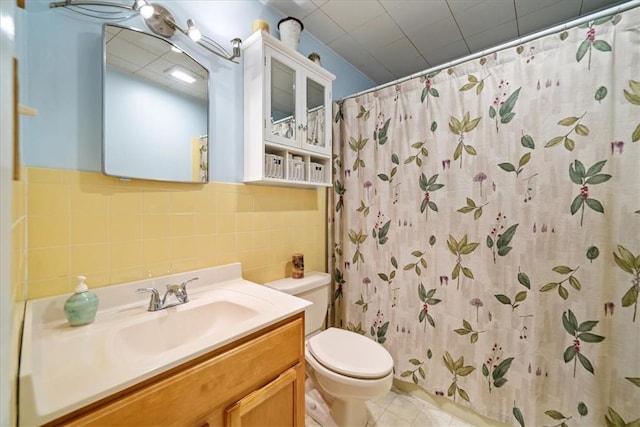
104	11
163	23
157	17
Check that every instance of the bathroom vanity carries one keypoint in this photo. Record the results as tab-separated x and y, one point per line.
233	355
257	382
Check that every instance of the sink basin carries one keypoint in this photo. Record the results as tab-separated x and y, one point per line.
176	326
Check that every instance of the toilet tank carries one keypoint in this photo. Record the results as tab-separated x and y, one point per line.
313	287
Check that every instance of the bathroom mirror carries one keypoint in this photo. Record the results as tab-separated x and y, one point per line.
156	109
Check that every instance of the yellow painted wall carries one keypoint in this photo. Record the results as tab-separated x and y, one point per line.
114	231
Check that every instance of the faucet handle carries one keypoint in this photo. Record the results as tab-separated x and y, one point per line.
184	284
154	302
179	291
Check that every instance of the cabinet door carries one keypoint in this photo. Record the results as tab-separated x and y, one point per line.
277	404
282	99
317	135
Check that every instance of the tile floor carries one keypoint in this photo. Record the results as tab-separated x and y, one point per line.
398	409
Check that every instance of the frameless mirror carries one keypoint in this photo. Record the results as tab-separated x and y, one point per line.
156	109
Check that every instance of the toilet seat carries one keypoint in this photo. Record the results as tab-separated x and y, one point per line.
350	354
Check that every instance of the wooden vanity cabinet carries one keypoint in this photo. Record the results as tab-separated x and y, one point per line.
257	381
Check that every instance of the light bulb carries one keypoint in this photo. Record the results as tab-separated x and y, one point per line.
145	9
192	31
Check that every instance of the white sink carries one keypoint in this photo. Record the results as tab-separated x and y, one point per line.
181	325
64	368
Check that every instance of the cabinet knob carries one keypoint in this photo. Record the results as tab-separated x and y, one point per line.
302	127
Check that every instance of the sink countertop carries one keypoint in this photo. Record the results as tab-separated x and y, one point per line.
65	368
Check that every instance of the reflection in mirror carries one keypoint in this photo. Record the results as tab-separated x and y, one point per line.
315	113
283	104
156	109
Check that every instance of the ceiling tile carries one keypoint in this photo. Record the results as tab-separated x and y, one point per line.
351	14
122	65
345	46
413	15
589	6
410	66
493	37
378	32
524	7
549	16
150	43
400	55
322	27
110	32
159	66
298	9
401	58
458	6
476	17
380	75
131	53
448	53
355	54
434	36
159	78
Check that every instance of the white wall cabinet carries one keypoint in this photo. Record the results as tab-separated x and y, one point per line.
287	115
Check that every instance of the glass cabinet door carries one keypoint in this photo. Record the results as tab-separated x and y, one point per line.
282	126
315	113
315	128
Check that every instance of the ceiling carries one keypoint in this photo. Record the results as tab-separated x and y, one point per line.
390	39
149	57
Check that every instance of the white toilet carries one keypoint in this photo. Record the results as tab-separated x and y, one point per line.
348	368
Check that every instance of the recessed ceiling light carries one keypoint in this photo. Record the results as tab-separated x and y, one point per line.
181	74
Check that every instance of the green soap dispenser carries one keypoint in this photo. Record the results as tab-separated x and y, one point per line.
81	307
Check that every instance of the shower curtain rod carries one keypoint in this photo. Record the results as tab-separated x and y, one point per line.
605	12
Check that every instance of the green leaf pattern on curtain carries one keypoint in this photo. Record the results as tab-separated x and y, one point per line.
500	270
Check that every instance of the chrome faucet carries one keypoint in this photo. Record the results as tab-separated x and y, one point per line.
179	291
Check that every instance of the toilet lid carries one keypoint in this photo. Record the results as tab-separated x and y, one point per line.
350	354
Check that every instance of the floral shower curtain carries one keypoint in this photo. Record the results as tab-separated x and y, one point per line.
486	227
